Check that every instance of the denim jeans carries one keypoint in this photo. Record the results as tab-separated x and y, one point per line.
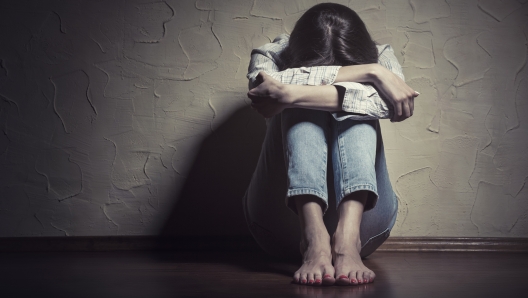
310	152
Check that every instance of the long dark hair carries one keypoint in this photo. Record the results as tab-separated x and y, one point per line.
329	34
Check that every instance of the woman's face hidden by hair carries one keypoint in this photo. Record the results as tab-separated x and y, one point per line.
329	34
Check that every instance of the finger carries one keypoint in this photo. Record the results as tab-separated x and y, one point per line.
397	118
398	109
397	112
393	117
416	93
260	78
260	90
253	93
411	105
257	95
259	99
406	110
263	74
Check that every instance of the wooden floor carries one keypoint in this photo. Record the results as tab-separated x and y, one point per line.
253	274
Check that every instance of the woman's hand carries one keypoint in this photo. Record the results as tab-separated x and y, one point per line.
270	97
396	91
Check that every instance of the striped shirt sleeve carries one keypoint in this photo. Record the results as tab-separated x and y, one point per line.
361	100
267	57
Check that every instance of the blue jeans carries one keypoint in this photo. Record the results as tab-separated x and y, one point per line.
304	151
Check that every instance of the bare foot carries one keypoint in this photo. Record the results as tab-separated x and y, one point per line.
317	267
347	262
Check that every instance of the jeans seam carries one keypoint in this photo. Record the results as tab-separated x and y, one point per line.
342	162
323	178
375	236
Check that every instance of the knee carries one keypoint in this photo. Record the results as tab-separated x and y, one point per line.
305	129
366	128
362	136
304	119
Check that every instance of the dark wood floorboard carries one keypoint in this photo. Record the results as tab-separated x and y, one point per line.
253	274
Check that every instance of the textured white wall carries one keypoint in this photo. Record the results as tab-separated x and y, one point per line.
104	106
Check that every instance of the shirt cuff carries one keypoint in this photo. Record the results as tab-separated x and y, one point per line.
361	102
355	97
322	75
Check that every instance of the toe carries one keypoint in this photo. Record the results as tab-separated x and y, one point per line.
371	276
297	277
343	280
310	278
353	278
328	280
318	279
362	277
304	278
328	276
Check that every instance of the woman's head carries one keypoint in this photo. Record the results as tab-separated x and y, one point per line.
329	34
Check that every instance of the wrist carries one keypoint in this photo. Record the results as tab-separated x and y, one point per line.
289	94
374	73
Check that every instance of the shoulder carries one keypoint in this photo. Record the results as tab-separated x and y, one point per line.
384	49
279	43
386	55
282	39
387	59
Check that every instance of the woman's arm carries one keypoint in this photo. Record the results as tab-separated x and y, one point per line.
362	100
270	97
267	58
367	90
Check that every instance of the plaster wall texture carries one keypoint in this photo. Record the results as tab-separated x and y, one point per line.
104	105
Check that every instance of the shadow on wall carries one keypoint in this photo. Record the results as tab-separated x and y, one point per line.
210	202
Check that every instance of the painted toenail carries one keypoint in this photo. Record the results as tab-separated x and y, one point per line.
317	281
354	281
365	280
327	276
343	277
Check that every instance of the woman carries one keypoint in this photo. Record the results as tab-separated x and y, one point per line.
328	64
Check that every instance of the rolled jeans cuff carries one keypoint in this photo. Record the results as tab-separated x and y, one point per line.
305	191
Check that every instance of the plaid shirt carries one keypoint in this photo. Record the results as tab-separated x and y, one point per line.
361	101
